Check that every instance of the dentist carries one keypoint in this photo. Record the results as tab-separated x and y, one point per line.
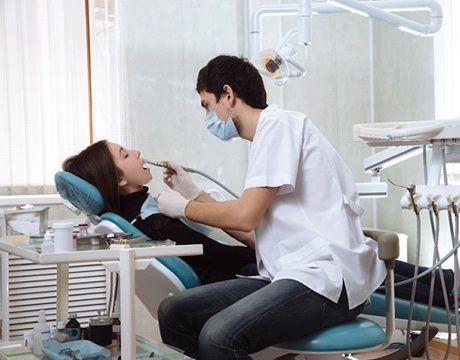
315	268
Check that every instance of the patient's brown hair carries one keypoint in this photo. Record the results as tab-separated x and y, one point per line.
96	165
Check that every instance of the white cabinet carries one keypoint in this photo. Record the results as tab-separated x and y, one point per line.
28	287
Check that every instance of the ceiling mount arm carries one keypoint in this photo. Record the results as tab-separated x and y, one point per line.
381	10
304	9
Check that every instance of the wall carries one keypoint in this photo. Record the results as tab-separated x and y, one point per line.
166	43
358	71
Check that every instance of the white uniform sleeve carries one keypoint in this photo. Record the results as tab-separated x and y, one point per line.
275	155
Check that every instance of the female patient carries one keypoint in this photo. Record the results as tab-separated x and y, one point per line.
119	175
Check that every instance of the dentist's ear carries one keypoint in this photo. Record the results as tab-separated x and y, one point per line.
229	93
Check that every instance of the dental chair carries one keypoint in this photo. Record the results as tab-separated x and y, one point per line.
167	276
163	277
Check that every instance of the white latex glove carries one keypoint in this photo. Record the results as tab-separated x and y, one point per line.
172	204
179	180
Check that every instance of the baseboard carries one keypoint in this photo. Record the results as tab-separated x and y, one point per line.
442	345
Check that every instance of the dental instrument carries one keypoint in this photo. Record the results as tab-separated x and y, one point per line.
403	140
193	171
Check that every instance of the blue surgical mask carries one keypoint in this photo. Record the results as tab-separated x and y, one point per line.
224	130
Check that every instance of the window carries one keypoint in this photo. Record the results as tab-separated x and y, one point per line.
447	62
43	91
447	73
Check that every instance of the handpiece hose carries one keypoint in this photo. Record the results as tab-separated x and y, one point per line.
190	170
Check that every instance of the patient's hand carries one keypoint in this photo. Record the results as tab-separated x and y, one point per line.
179	180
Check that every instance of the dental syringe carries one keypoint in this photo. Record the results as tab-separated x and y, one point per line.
190	170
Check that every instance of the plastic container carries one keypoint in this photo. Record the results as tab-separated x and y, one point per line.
61	333
73	327
63	237
33	221
47	245
41	333
53	331
29	339
100	329
82	230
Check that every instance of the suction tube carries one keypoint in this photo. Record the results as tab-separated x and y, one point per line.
190	170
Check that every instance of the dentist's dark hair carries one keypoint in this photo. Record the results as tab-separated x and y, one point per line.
96	165
236	72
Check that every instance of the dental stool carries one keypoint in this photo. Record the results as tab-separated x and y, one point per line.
163	277
360	334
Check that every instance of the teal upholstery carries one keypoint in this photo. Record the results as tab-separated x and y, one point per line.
419	310
179	267
79	192
360	333
356	334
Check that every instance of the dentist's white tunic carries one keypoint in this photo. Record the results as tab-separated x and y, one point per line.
311	231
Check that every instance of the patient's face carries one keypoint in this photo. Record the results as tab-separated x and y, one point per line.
132	165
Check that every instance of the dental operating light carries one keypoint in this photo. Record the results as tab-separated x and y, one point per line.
276	63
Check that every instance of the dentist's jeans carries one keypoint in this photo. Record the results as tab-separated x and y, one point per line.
235	318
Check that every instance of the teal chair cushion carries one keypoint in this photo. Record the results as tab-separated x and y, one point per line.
179	267
79	192
419	311
355	334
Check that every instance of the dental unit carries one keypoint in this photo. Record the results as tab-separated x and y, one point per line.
406	139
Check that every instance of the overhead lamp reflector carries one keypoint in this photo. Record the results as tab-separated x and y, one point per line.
273	65
276	64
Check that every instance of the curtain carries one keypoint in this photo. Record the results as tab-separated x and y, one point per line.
44	111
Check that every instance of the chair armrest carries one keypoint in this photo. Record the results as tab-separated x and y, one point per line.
388	248
388	244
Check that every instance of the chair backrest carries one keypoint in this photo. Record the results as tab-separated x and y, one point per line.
80	193
163	277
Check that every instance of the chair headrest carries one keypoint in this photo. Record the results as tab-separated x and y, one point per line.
79	192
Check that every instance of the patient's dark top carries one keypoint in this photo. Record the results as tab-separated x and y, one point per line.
218	262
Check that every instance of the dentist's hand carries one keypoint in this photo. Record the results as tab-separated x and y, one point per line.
179	180
172	204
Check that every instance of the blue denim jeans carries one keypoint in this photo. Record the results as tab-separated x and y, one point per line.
235	318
